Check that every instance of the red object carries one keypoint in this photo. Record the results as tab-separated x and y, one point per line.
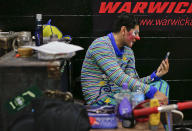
92	120
137	38
145	119
184	105
17	55
142	105
145	111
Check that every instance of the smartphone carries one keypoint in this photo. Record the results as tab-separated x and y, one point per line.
167	55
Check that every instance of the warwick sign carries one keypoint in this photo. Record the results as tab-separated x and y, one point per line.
146	7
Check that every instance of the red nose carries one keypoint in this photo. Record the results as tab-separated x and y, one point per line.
137	38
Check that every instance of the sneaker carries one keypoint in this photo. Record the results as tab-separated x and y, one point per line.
176	116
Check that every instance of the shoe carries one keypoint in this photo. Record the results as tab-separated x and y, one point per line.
176	116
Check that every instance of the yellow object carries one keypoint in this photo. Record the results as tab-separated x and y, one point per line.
154	119
49	30
124	58
25	52
67	37
107	100
102	83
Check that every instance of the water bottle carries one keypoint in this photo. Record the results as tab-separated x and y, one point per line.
137	97
124	92
39	30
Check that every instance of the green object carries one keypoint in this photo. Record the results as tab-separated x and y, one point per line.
22	100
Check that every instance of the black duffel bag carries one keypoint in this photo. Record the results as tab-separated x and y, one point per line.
50	114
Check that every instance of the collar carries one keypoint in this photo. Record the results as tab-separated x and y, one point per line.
118	52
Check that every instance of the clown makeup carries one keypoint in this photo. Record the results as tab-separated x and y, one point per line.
131	36
135	32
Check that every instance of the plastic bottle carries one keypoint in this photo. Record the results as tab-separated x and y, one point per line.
125	113
38	30
124	92
125	88
137	97
124	108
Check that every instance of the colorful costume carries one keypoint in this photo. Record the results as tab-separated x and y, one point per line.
105	69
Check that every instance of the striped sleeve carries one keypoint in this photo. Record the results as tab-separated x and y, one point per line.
146	80
105	59
149	79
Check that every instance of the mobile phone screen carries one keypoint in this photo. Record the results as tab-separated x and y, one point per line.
167	55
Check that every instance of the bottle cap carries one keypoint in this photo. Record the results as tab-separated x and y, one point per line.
39	16
125	86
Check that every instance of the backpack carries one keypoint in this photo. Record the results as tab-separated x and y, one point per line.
50	114
25	122
56	115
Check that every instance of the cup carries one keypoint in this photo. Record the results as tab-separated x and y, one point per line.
23	39
25	52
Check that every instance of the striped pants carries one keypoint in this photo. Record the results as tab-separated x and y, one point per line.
108	98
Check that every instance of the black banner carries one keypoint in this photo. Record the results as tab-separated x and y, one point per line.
159	16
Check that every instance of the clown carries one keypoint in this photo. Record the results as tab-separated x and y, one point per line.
110	62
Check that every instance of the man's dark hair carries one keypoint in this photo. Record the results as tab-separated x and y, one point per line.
125	19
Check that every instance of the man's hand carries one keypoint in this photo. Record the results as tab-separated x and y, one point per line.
161	97
163	68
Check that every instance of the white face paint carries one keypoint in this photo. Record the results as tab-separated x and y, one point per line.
135	32
131	36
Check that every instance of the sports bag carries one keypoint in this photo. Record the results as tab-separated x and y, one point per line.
56	115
